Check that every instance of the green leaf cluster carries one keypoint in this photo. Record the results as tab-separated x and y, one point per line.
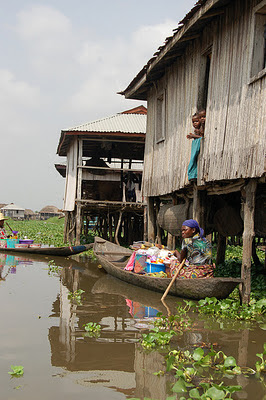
17	370
76	296
156	338
231	308
93	329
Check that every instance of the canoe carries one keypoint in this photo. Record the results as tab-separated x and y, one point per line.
49	251
113	259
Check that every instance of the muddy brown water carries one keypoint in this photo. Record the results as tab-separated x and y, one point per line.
43	331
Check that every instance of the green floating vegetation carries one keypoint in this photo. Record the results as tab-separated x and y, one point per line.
49	232
76	296
17	370
232	309
261	365
54	269
232	268
200	374
92	329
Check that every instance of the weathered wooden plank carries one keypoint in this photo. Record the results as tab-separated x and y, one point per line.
248	195
235	142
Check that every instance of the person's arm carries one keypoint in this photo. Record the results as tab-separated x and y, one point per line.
180	256
193	136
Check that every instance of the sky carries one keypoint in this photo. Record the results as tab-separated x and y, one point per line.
62	63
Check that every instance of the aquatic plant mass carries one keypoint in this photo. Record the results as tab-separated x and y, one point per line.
49	232
17	370
199	374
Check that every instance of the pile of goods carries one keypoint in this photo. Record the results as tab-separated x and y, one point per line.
14	243
150	259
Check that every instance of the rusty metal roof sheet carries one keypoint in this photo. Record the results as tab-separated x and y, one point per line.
124	123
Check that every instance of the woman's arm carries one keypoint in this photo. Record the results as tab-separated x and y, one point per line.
180	256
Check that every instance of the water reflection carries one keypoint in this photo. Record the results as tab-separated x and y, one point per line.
114	363
8	265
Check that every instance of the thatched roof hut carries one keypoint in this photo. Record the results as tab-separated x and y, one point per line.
49	212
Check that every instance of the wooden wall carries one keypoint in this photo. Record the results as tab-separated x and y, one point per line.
234	143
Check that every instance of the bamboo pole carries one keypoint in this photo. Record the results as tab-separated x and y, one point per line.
173	279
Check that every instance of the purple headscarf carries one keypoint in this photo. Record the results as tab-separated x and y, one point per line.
191	223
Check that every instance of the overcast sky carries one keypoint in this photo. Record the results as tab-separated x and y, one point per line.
62	63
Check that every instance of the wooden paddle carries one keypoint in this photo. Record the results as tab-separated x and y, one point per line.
9	227
173	279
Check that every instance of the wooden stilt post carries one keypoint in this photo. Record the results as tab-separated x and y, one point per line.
66	227
78	224
199	206
248	196
170	241
110	227
151	220
118	226
79	192
145	225
159	229
130	229
255	257
221	247
105	227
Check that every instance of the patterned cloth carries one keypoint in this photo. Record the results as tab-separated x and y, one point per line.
199	251
196	271
3	234
198	259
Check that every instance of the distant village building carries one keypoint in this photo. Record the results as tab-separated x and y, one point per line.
29	214
49	212
13	211
104	175
215	61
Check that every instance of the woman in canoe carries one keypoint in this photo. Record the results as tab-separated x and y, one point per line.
196	249
3	234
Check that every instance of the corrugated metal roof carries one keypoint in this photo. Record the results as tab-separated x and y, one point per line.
12	206
124	123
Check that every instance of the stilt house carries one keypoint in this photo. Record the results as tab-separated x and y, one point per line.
103	176
13	211
215	61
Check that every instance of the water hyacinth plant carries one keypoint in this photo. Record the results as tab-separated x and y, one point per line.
76	296
17	370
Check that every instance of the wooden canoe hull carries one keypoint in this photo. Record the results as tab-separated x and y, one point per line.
197	288
49	251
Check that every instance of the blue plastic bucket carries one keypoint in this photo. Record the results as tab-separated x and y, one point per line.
11	243
152	267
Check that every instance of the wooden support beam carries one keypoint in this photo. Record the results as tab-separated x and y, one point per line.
212	14
80	149
151	220
145	225
221	247
170	241
118	227
159	229
248	196
199	206
78	224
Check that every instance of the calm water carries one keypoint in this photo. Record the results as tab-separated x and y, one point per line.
41	330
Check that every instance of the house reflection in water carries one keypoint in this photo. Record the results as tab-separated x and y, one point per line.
114	359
